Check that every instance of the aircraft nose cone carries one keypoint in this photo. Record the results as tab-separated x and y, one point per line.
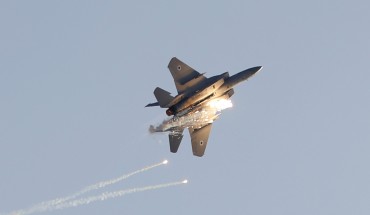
249	72
242	76
254	70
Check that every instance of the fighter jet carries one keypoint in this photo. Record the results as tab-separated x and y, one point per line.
191	107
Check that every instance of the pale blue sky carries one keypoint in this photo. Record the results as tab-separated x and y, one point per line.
75	77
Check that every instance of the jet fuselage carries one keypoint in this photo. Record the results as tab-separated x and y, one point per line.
211	88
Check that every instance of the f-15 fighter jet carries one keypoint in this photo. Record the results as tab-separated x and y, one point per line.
197	104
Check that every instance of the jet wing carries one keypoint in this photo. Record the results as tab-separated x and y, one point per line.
199	139
183	75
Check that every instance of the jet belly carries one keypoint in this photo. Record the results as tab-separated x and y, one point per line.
199	96
196	98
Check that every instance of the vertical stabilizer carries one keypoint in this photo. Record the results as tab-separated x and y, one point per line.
163	97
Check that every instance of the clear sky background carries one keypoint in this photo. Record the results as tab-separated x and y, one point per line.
75	77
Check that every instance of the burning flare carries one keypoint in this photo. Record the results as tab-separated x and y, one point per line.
220	104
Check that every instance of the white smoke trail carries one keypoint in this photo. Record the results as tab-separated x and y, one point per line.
110	195
47	204
101	197
105	183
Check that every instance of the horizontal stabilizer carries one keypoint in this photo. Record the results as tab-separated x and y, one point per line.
163	97
175	140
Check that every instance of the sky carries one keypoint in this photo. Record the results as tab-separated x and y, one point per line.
75	77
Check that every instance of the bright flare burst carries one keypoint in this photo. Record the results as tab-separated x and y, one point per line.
220	104
197	118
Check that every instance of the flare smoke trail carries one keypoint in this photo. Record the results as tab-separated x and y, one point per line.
110	195
105	183
47	204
